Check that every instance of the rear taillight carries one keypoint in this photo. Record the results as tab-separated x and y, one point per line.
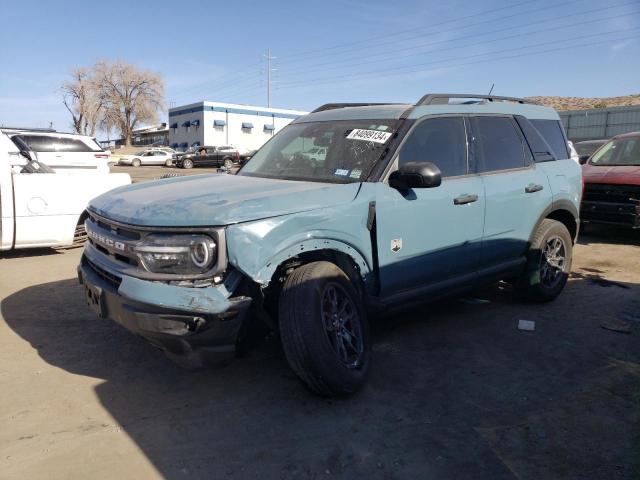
101	155
237	155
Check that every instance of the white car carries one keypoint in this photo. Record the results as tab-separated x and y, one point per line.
574	154
45	209
316	153
152	156
63	152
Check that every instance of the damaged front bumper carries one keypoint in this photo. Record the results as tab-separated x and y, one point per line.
194	326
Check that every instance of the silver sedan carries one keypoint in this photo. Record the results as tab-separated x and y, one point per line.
147	157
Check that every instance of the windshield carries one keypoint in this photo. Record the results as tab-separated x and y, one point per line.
621	152
141	152
345	151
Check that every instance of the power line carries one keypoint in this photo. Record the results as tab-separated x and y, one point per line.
233	76
402	32
436	32
400	71
313	67
221	87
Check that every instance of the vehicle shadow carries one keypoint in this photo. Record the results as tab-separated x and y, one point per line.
30	252
456	391
595	233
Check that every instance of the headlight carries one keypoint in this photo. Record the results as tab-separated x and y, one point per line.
177	254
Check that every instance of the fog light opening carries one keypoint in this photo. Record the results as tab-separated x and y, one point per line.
194	324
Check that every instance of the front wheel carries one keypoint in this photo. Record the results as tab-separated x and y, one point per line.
548	262
228	163
324	330
136	162
187	163
168	163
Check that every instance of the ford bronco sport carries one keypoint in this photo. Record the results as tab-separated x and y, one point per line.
410	203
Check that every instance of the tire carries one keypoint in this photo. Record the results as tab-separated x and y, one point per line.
187	163
228	163
548	262
168	163
328	361
135	162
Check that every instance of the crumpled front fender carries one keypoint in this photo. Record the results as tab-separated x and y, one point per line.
258	248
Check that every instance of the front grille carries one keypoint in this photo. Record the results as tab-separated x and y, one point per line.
601	192
108	276
127	233
113	240
616	204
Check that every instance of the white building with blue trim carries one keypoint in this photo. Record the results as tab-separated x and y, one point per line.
246	127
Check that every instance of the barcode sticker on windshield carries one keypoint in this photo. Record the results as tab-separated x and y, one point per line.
369	135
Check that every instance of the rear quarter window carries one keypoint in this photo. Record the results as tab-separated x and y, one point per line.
551	131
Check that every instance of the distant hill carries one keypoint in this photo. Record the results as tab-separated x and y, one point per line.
577	103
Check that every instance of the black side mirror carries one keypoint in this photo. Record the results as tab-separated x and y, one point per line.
416	175
29	155
583	159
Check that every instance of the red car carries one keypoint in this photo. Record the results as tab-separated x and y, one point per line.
612	183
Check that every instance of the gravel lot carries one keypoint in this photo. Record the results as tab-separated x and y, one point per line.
456	390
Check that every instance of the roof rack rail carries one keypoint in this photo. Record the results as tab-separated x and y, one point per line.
333	106
28	129
443	98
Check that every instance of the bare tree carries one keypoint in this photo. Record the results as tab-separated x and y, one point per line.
81	96
130	95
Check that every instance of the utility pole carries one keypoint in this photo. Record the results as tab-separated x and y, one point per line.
269	71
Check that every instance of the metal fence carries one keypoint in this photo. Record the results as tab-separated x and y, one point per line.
600	123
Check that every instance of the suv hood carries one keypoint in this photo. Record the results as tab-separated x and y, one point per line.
216	200
624	175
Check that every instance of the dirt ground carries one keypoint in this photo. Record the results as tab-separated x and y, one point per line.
456	390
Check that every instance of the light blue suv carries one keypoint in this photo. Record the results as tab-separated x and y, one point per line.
408	203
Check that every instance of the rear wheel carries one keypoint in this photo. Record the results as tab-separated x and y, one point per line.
135	162
187	163
324	330
548	262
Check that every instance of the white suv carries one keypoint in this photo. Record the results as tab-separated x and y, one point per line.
63	152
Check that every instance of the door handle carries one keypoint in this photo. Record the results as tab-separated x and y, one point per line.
464	199
532	188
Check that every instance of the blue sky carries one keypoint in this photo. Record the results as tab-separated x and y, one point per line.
330	51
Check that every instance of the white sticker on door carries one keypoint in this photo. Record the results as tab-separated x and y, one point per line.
369	135
396	244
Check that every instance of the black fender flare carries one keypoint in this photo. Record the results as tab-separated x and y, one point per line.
557	206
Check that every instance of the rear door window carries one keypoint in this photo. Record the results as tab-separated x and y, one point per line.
551	130
441	141
498	145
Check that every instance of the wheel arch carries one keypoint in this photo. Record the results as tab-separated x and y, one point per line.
342	254
83	216
564	212
266	282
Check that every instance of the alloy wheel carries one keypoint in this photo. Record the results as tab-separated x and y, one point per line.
342	325
553	261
